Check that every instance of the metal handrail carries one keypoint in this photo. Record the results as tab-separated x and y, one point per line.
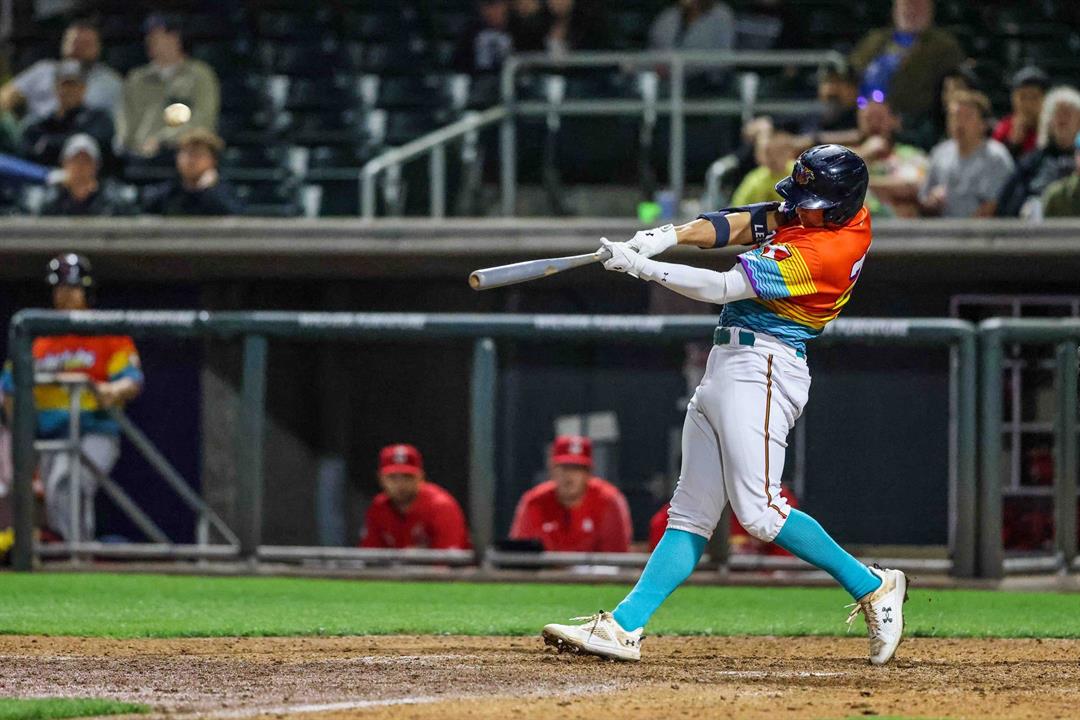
77	383
434	143
714	175
677	64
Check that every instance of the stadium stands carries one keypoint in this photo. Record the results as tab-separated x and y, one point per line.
337	82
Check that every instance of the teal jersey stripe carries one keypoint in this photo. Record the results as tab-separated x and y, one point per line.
53	424
752	315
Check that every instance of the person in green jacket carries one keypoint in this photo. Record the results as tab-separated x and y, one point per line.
170	77
775	153
907	62
1062	198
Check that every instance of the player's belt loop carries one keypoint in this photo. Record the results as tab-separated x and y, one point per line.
721	336
747	338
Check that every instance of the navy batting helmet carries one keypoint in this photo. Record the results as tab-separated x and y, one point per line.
70	269
830	178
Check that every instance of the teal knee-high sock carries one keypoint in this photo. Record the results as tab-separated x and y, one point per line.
674	558
803	537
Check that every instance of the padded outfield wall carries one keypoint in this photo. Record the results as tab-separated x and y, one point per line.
875	432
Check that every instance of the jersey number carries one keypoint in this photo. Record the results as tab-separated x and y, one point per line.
857	268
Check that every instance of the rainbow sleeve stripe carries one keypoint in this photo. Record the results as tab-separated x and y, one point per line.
775	279
124	363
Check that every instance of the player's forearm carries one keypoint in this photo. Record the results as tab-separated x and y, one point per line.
727	228
123	390
697	283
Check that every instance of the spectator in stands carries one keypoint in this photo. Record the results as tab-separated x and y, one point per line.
925	131
1052	160
112	368
199	189
82	192
897	170
1062	198
170	77
968	170
44	138
529	25
1019	130
694	25
574	25
485	45
34	89
907	61
838	94
411	511
573	511
775	153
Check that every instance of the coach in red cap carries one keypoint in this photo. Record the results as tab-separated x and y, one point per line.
574	511
412	512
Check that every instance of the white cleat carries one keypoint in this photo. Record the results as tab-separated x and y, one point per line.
598	635
884	613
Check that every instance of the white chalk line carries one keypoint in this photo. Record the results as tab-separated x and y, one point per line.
775	674
307	708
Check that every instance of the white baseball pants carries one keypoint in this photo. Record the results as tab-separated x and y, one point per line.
103	451
735	436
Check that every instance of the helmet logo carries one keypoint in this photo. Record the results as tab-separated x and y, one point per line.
401	454
802	175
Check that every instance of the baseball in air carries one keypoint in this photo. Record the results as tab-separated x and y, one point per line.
177	114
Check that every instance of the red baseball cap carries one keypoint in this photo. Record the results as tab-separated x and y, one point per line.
572	450
400	459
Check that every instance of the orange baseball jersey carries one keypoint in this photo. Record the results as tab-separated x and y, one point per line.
101	357
803	277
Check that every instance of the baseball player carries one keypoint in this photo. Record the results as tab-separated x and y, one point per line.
112	365
808	253
574	511
411	511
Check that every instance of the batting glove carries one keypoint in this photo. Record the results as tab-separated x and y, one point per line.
648	243
622	258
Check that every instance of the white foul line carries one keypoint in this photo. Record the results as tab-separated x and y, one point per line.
311	708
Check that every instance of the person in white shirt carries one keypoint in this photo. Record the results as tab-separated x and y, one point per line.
33	91
968	170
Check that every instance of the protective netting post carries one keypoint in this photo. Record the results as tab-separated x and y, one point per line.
1065	445
21	344
482	413
250	436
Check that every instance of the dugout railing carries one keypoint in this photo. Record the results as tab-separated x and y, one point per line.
255	329
995	335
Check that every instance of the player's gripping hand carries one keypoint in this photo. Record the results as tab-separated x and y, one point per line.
648	243
622	258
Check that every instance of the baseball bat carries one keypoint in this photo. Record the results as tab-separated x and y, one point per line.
503	275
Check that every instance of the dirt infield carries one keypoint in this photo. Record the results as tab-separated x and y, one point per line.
468	677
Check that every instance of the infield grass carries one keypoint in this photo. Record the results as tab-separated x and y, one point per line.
176	606
53	708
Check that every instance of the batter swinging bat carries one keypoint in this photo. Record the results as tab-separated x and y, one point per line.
503	275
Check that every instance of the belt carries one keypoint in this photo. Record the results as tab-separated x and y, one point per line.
724	336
